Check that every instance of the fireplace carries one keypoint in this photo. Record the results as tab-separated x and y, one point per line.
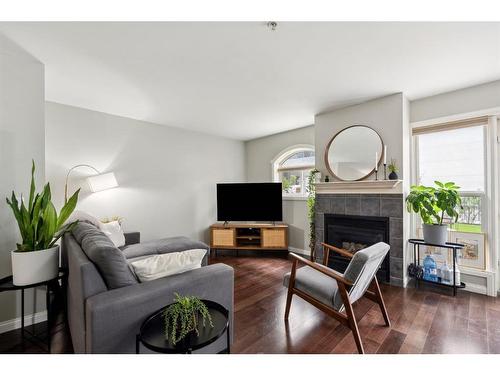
353	233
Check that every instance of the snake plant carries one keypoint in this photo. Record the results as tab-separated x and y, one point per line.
39	223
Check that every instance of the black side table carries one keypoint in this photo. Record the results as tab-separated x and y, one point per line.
152	332
449	246
6	284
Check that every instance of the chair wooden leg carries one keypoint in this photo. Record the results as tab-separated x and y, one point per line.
291	285
351	318
380	300
288	303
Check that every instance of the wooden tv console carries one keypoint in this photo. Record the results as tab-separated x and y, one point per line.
249	236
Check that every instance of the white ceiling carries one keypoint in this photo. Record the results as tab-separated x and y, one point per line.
242	80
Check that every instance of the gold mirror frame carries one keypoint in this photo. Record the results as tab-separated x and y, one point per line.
335	136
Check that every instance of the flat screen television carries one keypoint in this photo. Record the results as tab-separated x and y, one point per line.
249	202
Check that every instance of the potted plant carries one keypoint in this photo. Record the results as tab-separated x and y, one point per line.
311	213
182	317
37	256
393	168
432	204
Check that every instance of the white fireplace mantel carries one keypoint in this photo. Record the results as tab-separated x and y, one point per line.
360	187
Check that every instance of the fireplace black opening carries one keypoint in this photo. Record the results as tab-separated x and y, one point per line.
354	233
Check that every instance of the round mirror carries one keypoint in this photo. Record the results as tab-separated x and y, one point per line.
350	154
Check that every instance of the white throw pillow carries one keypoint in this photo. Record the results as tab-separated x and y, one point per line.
157	266
114	231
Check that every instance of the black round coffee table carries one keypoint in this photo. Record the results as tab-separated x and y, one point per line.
152	332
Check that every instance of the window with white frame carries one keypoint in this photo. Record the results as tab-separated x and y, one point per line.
292	168
458	155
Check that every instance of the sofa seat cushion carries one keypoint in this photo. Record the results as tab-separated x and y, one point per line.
108	259
316	284
161	265
162	246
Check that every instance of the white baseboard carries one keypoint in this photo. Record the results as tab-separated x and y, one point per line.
474	288
15	323
299	251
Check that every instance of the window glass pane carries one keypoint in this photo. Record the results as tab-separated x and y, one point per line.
292	182
454	155
299	159
470	216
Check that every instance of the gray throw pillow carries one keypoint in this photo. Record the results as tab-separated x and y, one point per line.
108	259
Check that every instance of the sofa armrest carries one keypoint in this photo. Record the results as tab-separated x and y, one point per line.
113	318
132	238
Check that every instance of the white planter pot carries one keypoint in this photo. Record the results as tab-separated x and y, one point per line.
435	233
32	267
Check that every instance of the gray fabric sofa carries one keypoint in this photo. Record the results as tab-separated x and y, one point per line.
105	317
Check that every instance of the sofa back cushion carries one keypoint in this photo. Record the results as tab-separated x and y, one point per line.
109	260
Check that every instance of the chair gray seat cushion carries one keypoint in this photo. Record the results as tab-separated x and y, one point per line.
317	285
108	259
162	246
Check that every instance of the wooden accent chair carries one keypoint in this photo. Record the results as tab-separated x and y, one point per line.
333	292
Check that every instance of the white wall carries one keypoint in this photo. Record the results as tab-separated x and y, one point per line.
385	115
167	176
21	139
470	99
259	154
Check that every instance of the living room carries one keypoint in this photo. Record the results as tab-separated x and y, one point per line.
260	187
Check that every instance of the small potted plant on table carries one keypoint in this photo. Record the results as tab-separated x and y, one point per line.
432	204
182	317
37	256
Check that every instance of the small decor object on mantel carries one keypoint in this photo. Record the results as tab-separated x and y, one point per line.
327	179
181	317
393	168
432	204
37	257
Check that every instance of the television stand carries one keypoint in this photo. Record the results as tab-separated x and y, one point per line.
249	236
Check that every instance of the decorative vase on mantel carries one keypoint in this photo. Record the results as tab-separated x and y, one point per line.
393	176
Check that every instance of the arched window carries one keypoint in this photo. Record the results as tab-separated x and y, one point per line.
292	167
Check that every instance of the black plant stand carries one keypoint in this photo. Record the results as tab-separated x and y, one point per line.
6	284
448	245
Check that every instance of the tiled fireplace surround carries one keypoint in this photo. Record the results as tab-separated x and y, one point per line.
366	204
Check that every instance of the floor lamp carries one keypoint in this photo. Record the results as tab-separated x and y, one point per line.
98	182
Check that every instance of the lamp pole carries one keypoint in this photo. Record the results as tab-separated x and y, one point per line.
67	178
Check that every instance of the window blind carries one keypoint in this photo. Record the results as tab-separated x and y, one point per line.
459	124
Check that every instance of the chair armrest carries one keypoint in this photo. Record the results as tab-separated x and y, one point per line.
113	318
337	250
327	271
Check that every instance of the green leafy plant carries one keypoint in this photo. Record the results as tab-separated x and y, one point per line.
287	183
182	317
433	203
393	166
39	223
311	213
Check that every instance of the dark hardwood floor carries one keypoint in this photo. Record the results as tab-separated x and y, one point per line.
423	321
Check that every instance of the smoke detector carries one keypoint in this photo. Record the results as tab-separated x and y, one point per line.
272	25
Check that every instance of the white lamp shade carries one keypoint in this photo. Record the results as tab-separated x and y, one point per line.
102	182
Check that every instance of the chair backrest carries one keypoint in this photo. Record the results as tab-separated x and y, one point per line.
363	267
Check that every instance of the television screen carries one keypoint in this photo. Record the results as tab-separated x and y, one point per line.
249	202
